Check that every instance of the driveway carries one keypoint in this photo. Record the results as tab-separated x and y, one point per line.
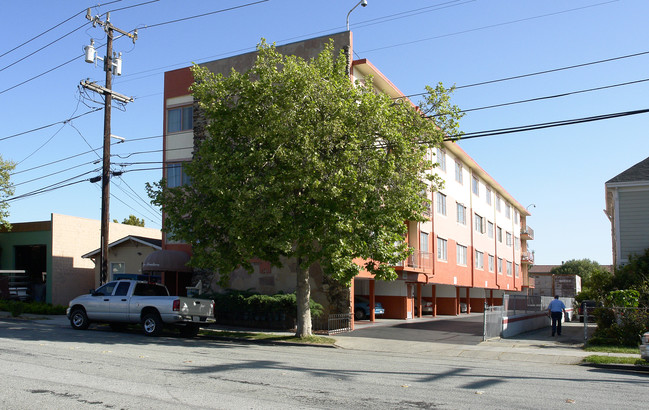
464	329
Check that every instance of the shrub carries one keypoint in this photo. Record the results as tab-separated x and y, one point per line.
38	308
619	326
246	305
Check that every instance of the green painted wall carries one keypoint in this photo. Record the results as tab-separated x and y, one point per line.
7	255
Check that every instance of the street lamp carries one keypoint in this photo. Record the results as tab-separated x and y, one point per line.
362	3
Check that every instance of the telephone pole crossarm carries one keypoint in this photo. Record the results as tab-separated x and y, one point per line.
93	86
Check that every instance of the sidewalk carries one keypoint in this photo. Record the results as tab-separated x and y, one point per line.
535	346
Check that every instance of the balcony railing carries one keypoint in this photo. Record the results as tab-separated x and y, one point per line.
527	233
527	257
419	260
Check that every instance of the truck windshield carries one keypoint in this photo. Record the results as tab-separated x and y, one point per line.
150	289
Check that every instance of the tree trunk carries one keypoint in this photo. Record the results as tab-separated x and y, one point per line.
303	295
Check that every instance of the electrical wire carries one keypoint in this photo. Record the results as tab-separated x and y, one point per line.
54	173
552	96
138	196
52	28
204	14
50	125
50	188
531	127
44	47
487	27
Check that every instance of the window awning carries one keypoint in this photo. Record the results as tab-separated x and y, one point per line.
166	261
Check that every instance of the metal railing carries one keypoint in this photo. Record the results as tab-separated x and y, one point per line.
527	256
332	324
492	322
420	260
527	232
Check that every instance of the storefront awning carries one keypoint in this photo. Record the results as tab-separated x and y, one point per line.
166	261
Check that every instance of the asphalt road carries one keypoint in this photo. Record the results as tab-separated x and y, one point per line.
49	366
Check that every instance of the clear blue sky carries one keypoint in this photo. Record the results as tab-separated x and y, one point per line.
560	170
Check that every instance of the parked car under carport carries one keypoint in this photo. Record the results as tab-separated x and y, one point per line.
362	308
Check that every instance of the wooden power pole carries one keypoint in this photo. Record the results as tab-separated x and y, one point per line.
110	68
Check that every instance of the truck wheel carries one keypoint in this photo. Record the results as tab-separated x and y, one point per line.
79	319
359	314
152	324
189	330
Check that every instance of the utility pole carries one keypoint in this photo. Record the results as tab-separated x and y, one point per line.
110	68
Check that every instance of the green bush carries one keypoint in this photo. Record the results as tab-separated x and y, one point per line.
38	308
620	327
247	305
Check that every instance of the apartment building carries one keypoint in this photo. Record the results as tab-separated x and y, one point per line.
472	250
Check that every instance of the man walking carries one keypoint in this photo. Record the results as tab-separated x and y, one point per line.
557	310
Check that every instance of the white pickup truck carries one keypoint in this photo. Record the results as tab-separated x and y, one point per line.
123	302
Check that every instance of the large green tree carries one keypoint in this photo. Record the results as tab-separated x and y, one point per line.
6	190
299	163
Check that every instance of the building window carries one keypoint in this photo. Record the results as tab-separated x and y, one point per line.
441	159
490	229
517	243
479	224
509	269
441	203
180	119
491	263
497	203
479	260
117	267
475	186
458	172
499	232
461	214
508	211
176	175
441	249
461	255
423	241
516	270
516	217
488	196
508	238
500	266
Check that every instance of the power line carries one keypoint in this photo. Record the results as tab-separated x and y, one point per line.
50	188
531	127
487	27
203	15
44	47
139	197
54	173
554	96
52	28
50	125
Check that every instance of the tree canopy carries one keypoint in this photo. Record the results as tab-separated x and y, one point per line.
132	220
6	190
299	162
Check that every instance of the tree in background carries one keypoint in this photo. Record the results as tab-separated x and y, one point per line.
299	163
132	220
595	280
6	190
